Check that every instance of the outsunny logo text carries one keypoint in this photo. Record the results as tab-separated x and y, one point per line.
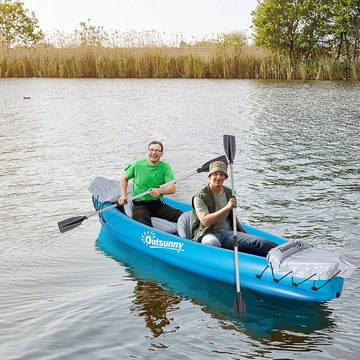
150	239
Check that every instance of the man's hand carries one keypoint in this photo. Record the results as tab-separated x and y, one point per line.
122	200
155	192
232	204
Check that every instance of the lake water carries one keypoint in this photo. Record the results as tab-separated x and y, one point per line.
296	175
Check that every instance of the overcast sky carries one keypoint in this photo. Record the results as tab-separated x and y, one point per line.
191	18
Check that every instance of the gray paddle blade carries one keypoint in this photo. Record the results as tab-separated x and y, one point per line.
105	190
70	223
230	147
205	167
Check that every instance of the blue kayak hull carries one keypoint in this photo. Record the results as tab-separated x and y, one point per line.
211	262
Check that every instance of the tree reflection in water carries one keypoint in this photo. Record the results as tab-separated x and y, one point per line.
155	305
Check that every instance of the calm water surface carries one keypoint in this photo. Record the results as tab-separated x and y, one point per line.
296	174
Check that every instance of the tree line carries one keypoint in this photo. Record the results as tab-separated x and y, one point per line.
302	29
292	39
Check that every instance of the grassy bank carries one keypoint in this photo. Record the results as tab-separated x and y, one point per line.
187	62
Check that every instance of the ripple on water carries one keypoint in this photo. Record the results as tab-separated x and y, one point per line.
296	174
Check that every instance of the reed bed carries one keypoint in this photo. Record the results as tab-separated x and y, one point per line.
168	62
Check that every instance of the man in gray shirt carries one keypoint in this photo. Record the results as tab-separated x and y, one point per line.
212	216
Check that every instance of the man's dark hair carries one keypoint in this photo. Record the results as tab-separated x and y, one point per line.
157	143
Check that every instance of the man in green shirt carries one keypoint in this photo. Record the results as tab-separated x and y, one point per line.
149	174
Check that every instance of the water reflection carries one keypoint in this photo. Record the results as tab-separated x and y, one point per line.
155	304
161	289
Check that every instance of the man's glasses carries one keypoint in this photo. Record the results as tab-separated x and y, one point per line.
155	150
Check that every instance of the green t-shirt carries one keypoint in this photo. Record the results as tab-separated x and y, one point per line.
147	177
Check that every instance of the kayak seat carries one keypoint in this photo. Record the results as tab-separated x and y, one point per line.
184	225
164	225
158	223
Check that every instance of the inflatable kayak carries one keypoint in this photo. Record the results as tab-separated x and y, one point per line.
157	280
293	270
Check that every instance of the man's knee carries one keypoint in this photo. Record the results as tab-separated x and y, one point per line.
143	219
211	240
255	245
142	215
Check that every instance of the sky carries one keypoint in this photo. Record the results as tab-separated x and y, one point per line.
197	19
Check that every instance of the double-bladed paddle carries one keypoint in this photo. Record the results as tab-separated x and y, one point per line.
73	222
230	149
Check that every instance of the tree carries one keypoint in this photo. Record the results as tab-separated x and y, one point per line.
345	28
235	39
308	28
296	27
17	27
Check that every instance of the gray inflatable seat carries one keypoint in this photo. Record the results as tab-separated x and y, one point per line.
184	225
158	223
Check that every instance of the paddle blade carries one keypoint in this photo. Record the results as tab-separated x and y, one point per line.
239	305
205	167
70	223
230	147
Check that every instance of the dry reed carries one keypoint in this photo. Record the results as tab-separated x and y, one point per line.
168	62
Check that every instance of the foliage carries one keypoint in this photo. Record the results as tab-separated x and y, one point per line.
232	40
90	35
308	28
346	28
307	39
17	27
287	26
236	39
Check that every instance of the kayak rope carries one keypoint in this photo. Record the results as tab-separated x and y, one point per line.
317	288
314	287
297	284
259	276
273	276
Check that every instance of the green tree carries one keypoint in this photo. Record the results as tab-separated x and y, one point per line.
345	28
235	39
296	27
17	26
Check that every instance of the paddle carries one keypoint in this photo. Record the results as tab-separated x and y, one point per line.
230	149
73	222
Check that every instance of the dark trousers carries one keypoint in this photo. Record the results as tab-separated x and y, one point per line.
247	243
143	211
254	245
